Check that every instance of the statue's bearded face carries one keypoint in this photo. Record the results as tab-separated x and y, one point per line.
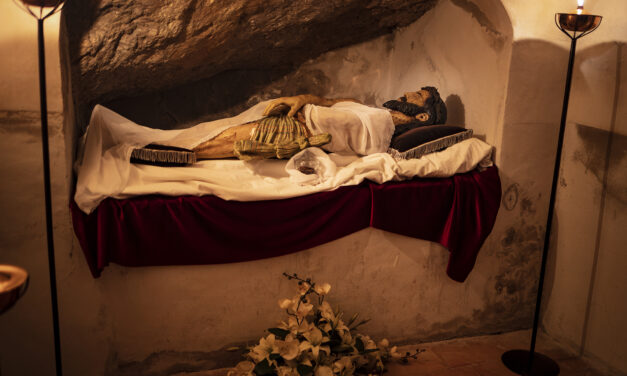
414	105
422	107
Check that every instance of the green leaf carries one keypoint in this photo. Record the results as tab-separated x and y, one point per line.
334	343
275	356
335	336
352	320
263	368
359	345
279	333
304	370
341	349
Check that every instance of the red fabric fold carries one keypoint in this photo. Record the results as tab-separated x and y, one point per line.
457	212
186	230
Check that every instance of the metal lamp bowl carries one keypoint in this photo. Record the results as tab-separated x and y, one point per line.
13	284
578	22
42	3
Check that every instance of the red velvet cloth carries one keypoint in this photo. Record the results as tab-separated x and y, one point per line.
457	212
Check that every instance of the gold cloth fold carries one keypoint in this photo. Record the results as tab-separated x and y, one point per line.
278	137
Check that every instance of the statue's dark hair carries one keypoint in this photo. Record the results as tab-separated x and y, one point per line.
437	105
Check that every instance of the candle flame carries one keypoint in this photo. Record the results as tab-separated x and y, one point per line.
580	6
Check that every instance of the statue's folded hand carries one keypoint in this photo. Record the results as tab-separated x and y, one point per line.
291	105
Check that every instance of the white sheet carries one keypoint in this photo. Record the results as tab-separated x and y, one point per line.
104	169
354	128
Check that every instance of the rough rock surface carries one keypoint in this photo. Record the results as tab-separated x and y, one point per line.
120	48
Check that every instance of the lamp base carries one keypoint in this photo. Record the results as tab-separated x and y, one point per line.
518	361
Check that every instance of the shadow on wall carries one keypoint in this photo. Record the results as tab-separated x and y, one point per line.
531	121
532	115
82	15
223	95
600	124
456	114
593	156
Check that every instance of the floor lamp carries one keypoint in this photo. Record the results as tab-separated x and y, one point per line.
528	362
42	9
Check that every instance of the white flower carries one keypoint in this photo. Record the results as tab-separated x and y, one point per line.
326	327
303	287
323	371
340	327
344	366
295	326
314	342
326	311
296	306
285	303
333	322
287	371
384	343
369	344
322	289
304	341
347	338
288	349
394	353
289	304
244	368
303	309
314	336
263	349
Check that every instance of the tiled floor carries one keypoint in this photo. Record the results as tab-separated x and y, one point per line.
475	356
481	356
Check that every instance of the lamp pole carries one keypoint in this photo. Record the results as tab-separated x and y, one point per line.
575	25
42	9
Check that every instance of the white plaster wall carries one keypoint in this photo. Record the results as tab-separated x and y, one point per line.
146	319
587	288
419	55
142	321
26	330
19	81
399	282
535	20
584	303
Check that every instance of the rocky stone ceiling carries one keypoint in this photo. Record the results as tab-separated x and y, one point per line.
119	48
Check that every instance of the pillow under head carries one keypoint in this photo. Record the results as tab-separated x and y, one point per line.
419	141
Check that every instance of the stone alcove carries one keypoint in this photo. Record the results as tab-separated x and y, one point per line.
192	59
174	64
185	61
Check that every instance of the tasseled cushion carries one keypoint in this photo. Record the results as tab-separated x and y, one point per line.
428	139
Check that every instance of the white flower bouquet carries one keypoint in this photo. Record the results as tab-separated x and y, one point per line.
315	341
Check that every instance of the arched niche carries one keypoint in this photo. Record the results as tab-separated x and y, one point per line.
173	65
462	47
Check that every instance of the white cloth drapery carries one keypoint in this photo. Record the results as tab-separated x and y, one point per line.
104	170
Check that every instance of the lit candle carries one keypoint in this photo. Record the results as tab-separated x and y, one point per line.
577	20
